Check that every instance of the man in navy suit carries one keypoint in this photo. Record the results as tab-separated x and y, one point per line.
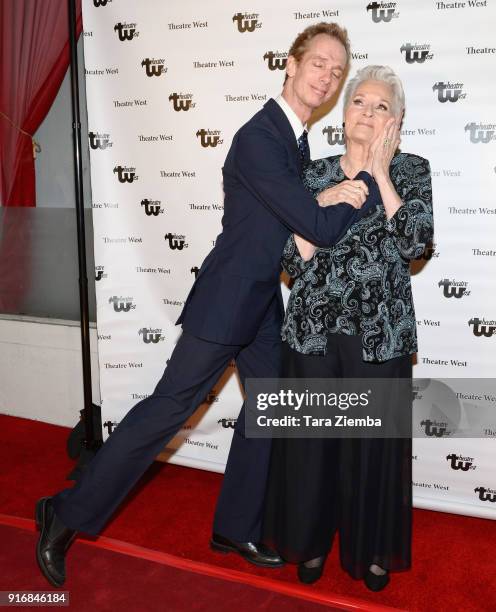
234	311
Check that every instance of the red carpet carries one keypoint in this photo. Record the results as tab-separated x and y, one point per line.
112	581
171	511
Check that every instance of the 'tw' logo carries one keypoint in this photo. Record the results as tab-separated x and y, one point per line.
123	175
120	305
476	135
430	430
457	464
149	336
179	104
275	63
124	33
333	136
484	495
97	142
482	330
379	14
152	69
207	140
449	291
412	56
245	25
174	242
227	423
446	95
150	208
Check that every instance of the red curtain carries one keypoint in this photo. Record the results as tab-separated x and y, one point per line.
34	57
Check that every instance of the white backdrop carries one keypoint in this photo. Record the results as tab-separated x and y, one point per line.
169	83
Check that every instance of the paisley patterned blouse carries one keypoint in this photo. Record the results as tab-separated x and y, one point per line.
361	285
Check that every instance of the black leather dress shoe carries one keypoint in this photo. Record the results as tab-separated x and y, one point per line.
309	575
53	543
375	582
258	554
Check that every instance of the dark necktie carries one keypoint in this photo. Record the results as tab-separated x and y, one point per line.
304	149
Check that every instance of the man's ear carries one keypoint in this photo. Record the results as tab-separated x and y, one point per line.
291	66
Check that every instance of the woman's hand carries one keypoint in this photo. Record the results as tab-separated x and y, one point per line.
383	149
382	152
307	249
350	192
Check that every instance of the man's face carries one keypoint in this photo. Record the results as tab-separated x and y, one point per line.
316	77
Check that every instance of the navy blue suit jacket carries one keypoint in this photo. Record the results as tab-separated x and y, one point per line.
237	289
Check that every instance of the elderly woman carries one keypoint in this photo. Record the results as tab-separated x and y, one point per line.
351	315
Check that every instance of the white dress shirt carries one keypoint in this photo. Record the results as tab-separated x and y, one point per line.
294	120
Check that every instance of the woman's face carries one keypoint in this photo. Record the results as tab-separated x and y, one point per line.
368	110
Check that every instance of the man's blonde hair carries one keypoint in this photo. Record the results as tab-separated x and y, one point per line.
302	41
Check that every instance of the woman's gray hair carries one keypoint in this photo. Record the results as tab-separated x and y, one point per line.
385	74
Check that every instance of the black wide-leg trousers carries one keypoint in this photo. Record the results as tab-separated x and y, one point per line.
193	369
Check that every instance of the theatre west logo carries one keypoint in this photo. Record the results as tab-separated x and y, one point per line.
99	141
182	102
126	31
100	273
335	135
97	3
151	336
429	252
436	429
154	67
152	207
454	288
209	138
457	462
122	304
416	53
449	92
126	174
176	241
486	494
481	132
194	270
110	426
276	60
227	423
247	22
482	327
383	11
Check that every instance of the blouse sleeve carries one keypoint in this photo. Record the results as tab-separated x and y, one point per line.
412	226
292	262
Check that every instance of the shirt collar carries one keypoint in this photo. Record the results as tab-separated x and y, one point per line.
292	117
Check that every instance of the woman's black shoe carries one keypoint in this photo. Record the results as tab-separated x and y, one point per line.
309	575
375	582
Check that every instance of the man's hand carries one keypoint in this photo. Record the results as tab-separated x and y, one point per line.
350	192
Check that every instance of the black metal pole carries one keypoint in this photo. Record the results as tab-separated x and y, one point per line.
89	439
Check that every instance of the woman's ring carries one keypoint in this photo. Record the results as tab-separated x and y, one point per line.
386	142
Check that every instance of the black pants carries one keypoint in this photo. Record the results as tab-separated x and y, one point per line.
194	368
360	488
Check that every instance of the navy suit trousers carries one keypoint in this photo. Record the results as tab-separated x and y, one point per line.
194	368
